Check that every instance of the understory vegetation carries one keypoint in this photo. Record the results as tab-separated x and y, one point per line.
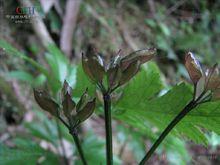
143	90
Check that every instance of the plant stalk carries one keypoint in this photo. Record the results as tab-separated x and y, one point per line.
192	104
78	146
108	128
65	160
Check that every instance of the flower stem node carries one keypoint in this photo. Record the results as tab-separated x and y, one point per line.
118	71
206	81
74	113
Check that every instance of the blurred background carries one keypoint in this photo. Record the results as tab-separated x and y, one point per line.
32	28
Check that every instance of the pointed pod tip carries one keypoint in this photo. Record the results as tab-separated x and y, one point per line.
66	88
193	67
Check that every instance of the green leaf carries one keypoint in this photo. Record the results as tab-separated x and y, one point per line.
26	152
58	62
147	82
191	41
165	29
39	80
9	49
94	149
162	110
27	77
46	129
21	75
143	110
82	82
13	51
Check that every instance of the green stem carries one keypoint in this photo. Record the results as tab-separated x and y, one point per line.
78	146
192	104
108	128
65	160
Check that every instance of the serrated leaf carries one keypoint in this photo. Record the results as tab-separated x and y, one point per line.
147	82
162	110
141	111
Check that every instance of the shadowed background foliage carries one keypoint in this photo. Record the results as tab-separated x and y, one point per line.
47	47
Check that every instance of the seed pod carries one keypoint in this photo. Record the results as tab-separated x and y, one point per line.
200	86
193	67
46	102
83	101
87	111
66	88
114	76
140	55
68	105
213	78
114	72
93	65
129	72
